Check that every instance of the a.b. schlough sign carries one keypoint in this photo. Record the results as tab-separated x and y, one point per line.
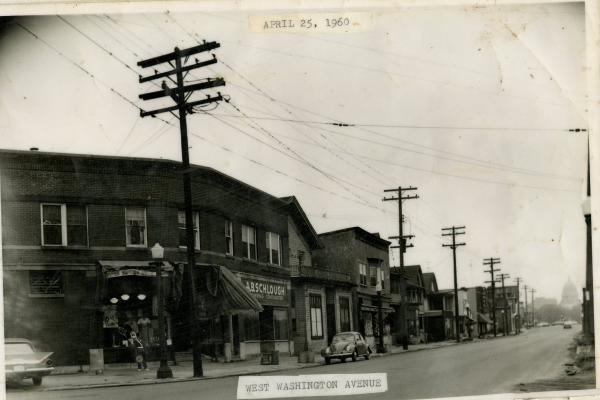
266	291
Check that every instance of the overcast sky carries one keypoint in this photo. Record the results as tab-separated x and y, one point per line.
472	106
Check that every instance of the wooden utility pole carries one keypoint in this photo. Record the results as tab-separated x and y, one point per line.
402	246
453	246
526	308
533	306
180	95
491	262
505	318
519	280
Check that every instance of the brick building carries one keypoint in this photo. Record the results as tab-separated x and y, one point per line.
365	257
71	221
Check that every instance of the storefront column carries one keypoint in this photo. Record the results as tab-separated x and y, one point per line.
229	346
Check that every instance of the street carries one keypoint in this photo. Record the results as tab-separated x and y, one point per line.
477	368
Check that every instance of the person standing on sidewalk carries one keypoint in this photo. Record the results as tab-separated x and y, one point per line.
140	352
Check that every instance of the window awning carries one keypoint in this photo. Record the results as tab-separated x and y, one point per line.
483	319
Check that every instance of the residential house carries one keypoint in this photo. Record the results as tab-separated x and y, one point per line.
321	303
415	295
442	322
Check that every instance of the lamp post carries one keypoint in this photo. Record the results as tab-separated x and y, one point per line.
164	371
381	348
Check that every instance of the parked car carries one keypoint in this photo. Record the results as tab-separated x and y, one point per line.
567	325
543	325
347	344
22	361
558	323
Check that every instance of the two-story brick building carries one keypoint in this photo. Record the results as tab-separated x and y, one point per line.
72	224
365	257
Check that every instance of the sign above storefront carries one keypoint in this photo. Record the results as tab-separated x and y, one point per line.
134	272
267	292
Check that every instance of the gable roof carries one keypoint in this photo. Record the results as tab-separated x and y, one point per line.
302	222
413	274
428	280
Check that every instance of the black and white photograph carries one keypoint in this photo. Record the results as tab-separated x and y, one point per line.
222	200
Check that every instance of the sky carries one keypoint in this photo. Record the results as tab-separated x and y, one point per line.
472	106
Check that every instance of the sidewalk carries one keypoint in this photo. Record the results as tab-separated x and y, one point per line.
129	375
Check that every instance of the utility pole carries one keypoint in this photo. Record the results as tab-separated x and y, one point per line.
505	319
533	306
491	262
453	246
519	280
526	309
402	246
180	95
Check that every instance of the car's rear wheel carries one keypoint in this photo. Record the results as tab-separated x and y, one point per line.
327	360
37	381
368	355
343	359
354	355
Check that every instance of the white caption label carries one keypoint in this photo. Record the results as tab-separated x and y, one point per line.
270	387
313	23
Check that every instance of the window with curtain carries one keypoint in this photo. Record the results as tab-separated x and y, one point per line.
228	237
135	220
64	225
316	316
274	247
362	269
182	230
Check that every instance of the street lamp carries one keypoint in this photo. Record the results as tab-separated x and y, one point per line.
164	371
381	348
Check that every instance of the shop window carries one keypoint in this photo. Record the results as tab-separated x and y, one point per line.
251	327
45	282
182	230
345	314
274	246
373	272
228	237
64	225
249	240
273	324
316	317
135	222
362	269
280	323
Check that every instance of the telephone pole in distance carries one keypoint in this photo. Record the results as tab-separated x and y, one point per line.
402	246
505	318
180	94
533	306
491	262
453	246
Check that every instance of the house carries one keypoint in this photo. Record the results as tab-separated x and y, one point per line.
415	295
77	232
365	257
321	303
441	318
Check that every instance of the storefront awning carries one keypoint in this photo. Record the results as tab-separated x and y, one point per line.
483	319
376	309
227	293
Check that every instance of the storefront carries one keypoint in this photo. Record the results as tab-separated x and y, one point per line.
369	321
256	332
127	298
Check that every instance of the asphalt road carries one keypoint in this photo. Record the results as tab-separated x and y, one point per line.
476	368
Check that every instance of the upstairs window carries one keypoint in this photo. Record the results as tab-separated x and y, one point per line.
228	238
135	223
373	271
182	231
362	270
274	246
249	240
64	225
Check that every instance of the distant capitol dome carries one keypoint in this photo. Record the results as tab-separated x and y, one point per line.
570	295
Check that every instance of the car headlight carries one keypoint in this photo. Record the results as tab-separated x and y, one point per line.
348	347
328	350
49	362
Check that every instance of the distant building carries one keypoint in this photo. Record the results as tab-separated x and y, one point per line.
570	296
